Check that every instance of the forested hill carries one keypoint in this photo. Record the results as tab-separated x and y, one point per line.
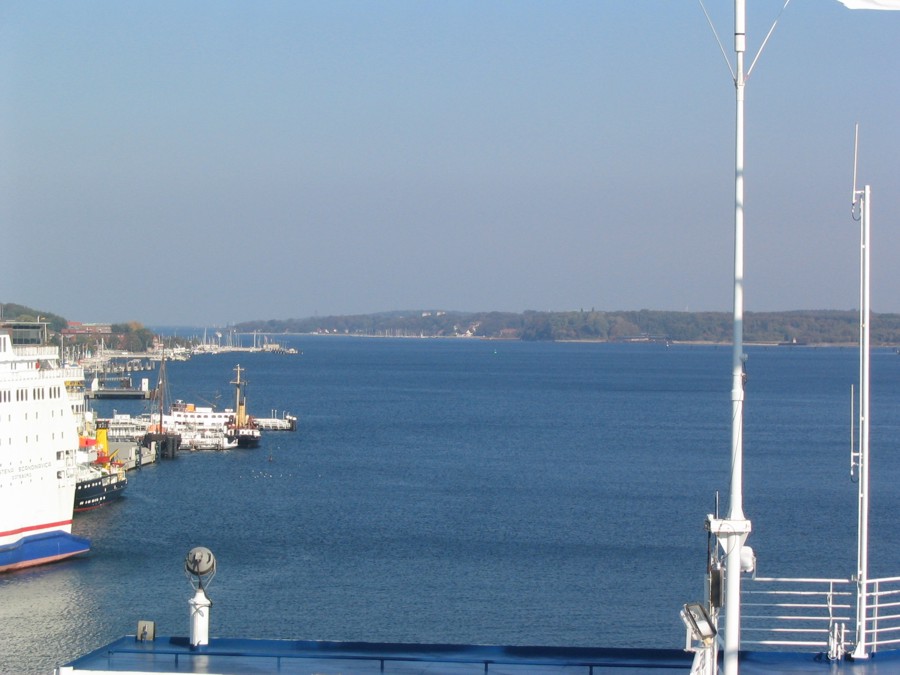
803	327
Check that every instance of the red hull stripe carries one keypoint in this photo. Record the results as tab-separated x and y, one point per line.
32	528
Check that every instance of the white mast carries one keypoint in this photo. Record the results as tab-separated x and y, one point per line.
737	524
863	199
733	530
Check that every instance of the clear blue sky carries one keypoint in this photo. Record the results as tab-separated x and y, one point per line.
211	162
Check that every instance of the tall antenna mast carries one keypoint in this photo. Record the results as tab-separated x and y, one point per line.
732	531
862	202
738	527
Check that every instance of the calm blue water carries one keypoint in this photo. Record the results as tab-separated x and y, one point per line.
470	491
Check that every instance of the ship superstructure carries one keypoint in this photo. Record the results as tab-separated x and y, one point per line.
243	431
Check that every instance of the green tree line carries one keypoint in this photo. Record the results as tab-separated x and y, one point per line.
131	336
802	327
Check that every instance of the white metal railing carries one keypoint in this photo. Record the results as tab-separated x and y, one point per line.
883	616
72	374
795	613
37	351
818	614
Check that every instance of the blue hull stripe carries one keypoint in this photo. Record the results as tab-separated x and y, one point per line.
41	548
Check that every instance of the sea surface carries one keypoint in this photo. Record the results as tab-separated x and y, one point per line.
473	492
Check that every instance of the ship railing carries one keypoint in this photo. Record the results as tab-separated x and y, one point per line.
45	352
818	614
796	614
411	661
49	353
883	613
73	374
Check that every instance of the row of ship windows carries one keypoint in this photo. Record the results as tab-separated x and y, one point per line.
36	394
62	435
180	416
37	413
75	409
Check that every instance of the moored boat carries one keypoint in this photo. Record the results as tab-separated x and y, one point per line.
124	434
243	430
163	441
200	427
197	427
38	458
206	439
100	475
247	436
286	422
98	484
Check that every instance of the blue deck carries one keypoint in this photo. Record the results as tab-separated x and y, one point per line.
174	655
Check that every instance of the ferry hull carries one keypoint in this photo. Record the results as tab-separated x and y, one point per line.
244	441
39	549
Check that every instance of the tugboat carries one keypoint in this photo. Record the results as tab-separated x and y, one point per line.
243	430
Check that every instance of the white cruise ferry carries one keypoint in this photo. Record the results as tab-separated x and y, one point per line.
38	442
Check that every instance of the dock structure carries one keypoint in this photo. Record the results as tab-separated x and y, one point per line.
118	393
118	388
274	423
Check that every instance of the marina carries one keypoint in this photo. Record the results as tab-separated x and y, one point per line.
90	454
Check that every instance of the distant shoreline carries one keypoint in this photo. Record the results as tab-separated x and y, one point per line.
487	338
800	328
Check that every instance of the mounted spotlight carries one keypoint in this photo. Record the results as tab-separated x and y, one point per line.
200	567
697	621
